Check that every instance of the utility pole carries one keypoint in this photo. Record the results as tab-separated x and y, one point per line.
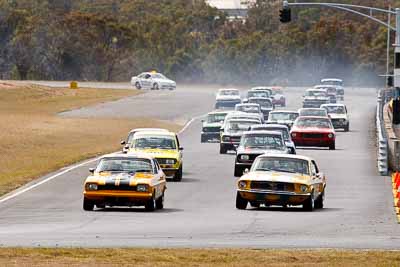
355	10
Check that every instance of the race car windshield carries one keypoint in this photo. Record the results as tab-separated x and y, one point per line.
262	141
313	112
314	122
229	92
282	116
289	165
248	109
284	132
315	93
216	118
235	127
124	165
335	109
261	102
257	94
156	142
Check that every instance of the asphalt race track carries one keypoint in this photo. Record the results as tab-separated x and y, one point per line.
200	211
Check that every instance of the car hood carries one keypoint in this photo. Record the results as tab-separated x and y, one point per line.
105	178
311	130
158	153
315	98
227	97
281	121
337	116
242	150
213	124
273	176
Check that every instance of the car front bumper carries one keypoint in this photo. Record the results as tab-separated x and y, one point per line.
313	142
215	136
118	198
337	124
274	197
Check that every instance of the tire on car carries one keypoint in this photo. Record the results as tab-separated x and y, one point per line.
178	175
241	203
88	205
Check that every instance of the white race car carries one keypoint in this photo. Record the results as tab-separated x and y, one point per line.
153	81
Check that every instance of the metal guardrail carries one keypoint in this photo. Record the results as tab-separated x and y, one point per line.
382	141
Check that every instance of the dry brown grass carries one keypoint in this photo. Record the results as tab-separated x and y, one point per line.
35	141
195	257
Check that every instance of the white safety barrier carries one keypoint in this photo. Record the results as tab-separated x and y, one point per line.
382	141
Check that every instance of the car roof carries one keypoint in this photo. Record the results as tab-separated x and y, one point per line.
148	130
155	133
127	156
284	111
313	117
244	119
266	132
333	105
261	88
325	86
315	89
331	79
272	125
311	109
291	156
218	112
248	104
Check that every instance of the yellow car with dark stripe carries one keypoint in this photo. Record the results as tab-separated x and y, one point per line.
282	180
164	146
125	180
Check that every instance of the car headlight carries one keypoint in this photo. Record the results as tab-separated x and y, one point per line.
330	135
225	138
242	184
245	157
91	187
303	188
142	188
170	161
294	134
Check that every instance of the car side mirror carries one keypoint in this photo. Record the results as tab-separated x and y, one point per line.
123	143
202	120
221	130
181	149
246	171
91	170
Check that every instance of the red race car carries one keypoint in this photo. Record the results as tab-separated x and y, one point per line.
313	131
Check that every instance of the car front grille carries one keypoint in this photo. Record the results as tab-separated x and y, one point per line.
273	186
312	135
121	187
163	161
211	129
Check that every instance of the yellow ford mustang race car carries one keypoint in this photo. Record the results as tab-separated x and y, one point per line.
282	180
125	180
164	146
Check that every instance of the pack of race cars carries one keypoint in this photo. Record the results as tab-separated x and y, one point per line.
263	138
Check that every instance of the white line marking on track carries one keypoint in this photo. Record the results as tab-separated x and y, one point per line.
29	188
19	192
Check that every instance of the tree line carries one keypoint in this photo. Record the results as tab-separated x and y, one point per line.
111	40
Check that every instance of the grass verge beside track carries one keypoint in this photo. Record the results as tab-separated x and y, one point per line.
195	257
35	141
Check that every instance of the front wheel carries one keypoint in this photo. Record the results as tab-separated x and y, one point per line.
346	129
319	203
160	202
241	203
332	146
151	204
88	205
138	86
155	86
238	171
222	149
309	203
178	175
203	139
